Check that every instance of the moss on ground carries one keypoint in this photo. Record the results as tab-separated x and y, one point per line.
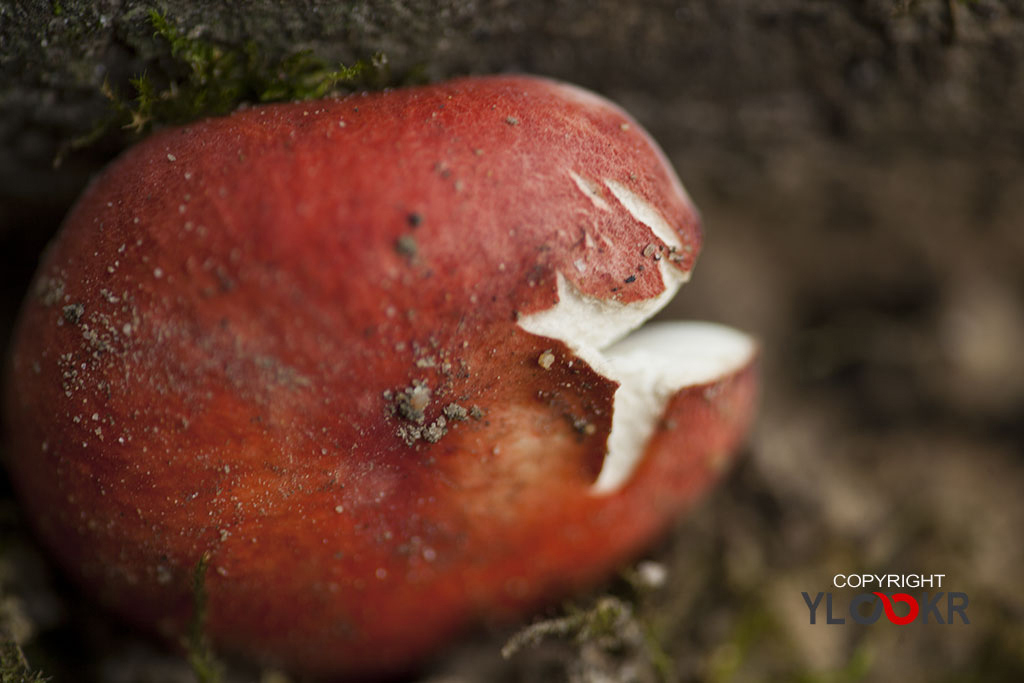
199	651
14	668
199	78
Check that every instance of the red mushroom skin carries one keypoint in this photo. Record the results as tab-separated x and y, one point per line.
287	338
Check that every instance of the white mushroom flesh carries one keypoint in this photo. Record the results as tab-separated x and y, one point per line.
650	365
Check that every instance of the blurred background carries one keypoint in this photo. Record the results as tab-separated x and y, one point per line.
860	168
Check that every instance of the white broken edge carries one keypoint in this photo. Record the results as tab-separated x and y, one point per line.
650	365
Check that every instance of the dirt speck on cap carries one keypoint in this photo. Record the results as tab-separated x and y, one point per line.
584	426
546	359
407	247
73	313
455	412
410	435
436	430
410	402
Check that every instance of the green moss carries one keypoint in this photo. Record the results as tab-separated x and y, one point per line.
654	649
612	623
196	78
13	666
602	620
201	657
207	79
753	627
578	624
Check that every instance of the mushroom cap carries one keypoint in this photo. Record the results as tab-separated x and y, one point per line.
293	339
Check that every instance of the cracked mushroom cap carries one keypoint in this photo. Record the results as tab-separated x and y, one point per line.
373	356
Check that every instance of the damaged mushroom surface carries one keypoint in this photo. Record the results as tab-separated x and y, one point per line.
375	357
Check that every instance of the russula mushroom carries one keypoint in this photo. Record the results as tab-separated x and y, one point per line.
373	358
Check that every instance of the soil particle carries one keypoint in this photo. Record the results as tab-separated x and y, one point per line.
73	313
406	246
436	430
432	433
650	250
410	435
584	426
455	412
412	401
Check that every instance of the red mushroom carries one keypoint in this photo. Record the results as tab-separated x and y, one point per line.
370	355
